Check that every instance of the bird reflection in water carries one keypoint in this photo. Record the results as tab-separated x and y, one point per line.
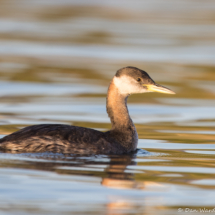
114	171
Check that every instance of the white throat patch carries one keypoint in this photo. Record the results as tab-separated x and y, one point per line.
126	85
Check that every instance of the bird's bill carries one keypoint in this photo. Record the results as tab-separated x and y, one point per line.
158	88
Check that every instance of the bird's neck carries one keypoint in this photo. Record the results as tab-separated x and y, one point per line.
117	108
122	125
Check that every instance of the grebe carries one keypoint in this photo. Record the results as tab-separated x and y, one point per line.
121	139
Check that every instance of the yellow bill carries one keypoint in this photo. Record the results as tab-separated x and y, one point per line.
158	88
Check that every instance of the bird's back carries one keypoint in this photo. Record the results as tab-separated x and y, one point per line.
59	139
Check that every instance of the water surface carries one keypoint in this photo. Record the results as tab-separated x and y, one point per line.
57	59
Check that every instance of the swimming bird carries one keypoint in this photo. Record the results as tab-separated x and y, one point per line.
121	139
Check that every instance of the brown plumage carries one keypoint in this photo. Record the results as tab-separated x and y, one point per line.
121	139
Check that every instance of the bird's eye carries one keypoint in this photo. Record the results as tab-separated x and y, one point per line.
139	79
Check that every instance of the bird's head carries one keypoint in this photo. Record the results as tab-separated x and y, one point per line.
130	80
